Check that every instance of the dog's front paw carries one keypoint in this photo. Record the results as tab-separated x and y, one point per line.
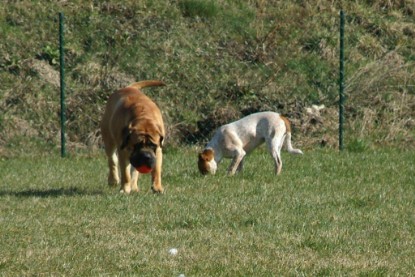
125	189
157	189
122	191
113	181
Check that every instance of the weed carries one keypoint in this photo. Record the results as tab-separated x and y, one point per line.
50	54
198	8
357	146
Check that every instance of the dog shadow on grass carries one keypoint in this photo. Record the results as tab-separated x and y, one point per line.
58	192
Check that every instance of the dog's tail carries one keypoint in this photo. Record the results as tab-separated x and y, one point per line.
290	148
147	83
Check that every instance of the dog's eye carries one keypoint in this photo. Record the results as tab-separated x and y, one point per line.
137	146
152	146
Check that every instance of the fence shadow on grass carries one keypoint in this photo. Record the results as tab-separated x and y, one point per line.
67	192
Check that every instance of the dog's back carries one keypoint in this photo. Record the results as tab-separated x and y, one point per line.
255	128
256	125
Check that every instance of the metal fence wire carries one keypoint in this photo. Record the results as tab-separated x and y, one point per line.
218	65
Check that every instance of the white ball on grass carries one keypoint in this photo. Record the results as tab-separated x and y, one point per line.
173	251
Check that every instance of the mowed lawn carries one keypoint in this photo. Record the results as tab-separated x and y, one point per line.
328	213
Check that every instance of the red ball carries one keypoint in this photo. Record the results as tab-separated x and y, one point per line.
143	169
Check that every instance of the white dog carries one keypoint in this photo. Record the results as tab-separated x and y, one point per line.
236	139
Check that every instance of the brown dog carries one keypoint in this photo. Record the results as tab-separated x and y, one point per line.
133	132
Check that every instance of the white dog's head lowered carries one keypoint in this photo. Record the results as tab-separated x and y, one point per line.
206	162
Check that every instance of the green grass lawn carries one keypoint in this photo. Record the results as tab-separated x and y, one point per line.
328	213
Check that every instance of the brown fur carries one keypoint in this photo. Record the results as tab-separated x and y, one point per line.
287	124
132	128
206	156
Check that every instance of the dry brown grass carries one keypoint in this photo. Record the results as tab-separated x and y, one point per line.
219	61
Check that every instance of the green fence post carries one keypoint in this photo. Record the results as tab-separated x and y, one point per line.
62	83
341	82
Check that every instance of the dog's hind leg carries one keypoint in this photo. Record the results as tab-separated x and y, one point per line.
274	147
278	163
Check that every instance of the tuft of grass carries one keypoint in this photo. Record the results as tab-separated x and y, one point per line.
198	8
357	145
328	213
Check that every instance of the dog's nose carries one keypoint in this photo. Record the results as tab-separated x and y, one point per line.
143	158
146	157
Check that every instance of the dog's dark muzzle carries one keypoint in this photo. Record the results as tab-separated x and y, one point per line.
143	158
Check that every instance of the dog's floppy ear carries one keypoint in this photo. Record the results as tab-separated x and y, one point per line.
161	141
159	130
125	135
207	155
200	156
